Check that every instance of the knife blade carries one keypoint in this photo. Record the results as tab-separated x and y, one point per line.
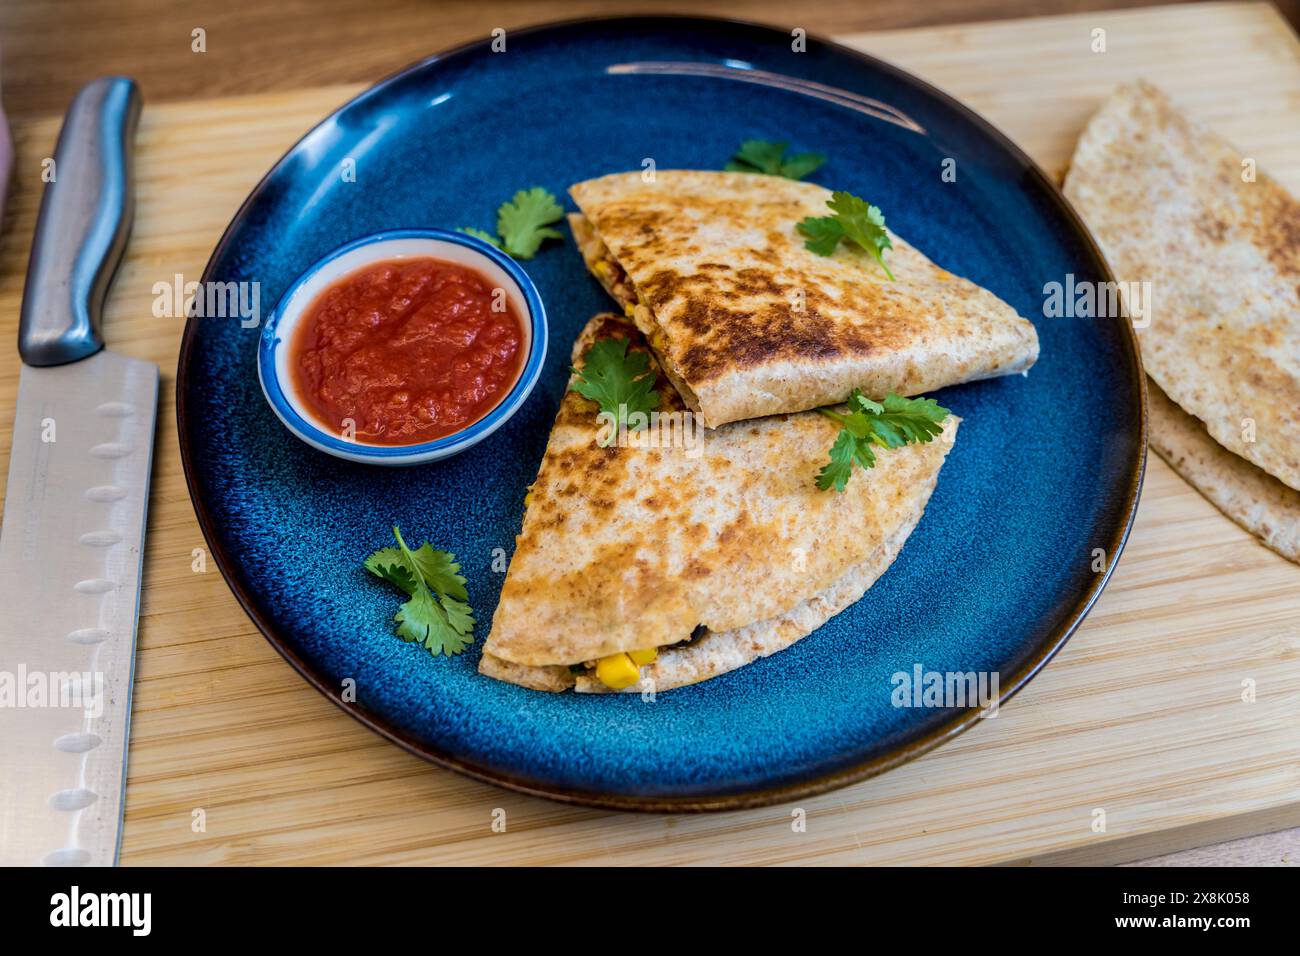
74	512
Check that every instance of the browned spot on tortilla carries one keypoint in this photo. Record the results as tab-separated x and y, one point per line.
735	530
1213	229
696	569
1277	227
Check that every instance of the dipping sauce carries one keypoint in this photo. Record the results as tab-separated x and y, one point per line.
410	350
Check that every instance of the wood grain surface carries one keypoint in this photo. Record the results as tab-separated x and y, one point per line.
49	48
234	759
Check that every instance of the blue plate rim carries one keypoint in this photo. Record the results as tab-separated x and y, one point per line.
903	752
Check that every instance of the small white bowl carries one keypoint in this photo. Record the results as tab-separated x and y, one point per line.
502	271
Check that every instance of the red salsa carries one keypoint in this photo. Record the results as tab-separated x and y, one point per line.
410	350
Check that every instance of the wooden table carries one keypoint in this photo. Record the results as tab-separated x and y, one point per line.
252	46
1140	715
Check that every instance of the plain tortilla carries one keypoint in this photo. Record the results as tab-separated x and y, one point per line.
1166	199
747	322
1249	496
626	548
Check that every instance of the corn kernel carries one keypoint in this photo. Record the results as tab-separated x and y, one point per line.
617	671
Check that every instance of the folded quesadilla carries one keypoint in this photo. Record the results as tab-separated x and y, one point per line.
1245	493
695	553
747	322
1175	206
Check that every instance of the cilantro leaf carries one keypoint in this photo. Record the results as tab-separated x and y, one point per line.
846	450
618	381
903	421
891	423
824	233
801	164
760	156
860	403
418	617
757	156
459	615
864	224
524	222
481	234
857	220
440	571
443	624
388	563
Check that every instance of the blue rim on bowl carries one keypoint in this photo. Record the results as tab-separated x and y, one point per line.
304	290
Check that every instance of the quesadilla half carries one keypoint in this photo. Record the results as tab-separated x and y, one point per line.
688	557
747	322
1175	206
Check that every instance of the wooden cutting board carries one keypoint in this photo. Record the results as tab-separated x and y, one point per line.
234	759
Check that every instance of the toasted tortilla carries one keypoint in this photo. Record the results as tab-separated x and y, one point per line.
1166	200
1248	495
723	537
713	654
747	322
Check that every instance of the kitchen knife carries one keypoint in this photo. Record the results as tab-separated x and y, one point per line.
74	510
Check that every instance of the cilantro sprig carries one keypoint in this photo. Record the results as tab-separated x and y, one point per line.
523	223
481	234
437	613
891	423
855	220
761	156
617	380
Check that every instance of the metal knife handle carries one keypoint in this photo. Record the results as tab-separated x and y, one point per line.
83	225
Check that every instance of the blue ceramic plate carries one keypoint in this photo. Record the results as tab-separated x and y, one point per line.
994	579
